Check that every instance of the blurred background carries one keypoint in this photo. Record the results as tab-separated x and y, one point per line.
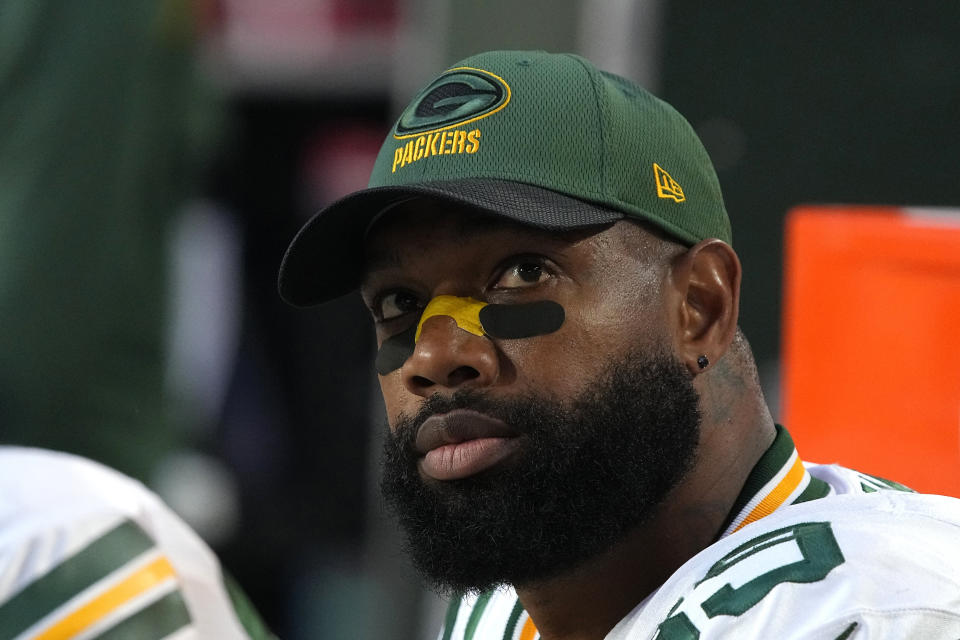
157	157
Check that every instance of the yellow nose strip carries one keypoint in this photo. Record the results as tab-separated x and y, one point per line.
464	311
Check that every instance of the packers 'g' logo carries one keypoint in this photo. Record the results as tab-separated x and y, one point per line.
460	95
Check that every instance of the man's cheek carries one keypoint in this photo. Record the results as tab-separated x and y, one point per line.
391	388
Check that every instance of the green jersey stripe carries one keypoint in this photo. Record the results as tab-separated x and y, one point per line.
451	618
98	559
815	490
848	631
511	628
475	615
876	482
160	619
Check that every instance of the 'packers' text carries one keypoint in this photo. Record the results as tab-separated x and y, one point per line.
436	144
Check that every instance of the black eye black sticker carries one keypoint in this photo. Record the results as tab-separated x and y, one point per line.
503	321
511	321
394	351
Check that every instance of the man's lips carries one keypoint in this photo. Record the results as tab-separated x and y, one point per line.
462	443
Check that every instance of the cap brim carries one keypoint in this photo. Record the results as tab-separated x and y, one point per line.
325	259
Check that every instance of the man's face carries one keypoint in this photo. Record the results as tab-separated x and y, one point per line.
514	460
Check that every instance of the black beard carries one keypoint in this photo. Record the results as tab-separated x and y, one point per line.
588	472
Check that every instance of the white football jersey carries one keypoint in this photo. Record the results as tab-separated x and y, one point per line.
810	552
86	552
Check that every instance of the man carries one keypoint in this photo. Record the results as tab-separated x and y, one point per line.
579	445
86	552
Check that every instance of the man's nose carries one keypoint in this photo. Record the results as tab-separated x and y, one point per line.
448	357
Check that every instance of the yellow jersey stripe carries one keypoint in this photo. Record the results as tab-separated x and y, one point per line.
529	630
778	495
109	550
89	613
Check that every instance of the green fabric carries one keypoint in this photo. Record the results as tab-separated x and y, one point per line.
512	621
476	614
815	490
158	620
101	557
556	121
101	115
871	483
453	609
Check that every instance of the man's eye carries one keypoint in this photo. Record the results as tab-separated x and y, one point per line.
522	274
398	303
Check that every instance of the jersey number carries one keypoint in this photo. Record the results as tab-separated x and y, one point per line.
819	553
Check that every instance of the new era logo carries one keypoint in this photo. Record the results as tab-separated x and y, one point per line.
667	187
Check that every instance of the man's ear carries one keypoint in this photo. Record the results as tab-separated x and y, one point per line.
706	284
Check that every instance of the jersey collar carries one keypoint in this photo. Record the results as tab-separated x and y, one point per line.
778	479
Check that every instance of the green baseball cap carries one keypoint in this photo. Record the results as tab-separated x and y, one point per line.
545	139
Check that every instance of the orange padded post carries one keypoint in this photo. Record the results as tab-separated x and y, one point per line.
871	349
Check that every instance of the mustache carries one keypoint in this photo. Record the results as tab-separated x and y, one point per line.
507	410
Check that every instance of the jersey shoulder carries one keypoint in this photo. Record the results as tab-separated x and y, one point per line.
86	549
860	564
843	481
865	565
